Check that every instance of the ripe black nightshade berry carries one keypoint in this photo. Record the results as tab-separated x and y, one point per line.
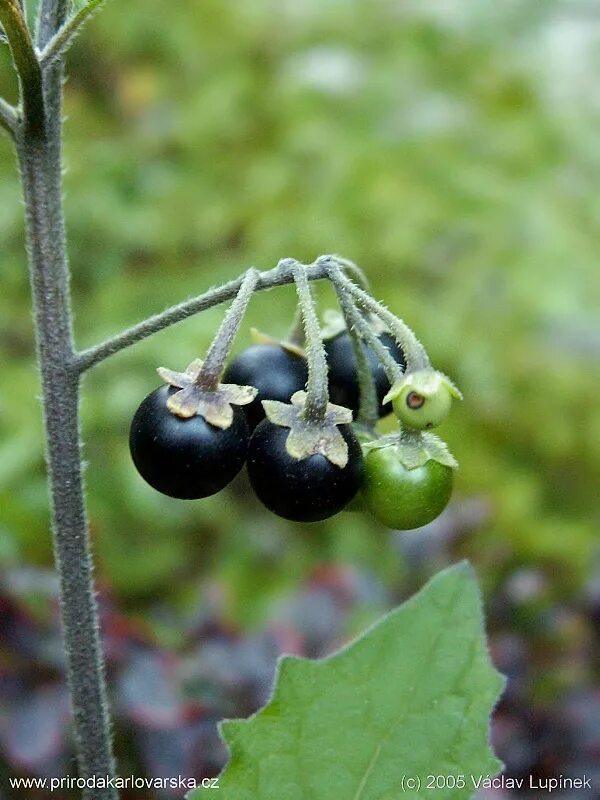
303	490
343	378
274	370
185	458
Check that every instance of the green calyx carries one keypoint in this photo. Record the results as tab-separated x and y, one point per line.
422	399
215	404
414	448
308	437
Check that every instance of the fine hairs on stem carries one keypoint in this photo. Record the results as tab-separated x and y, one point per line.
36	130
278	276
218	351
296	334
368	411
416	355
317	391
38	138
365	331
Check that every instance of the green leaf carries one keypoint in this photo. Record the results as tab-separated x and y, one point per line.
408	699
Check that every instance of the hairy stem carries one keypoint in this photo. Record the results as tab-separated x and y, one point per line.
26	64
269	279
368	412
416	355
51	17
317	392
62	40
356	273
218	351
365	331
39	152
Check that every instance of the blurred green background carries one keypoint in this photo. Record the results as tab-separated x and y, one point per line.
451	149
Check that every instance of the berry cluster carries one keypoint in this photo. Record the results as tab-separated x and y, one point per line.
302	413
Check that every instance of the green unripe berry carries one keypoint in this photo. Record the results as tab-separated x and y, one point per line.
422	400
418	411
404	498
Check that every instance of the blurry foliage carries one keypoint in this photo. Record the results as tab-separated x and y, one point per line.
451	150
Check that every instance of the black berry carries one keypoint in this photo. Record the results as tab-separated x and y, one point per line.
275	371
185	458
305	490
343	378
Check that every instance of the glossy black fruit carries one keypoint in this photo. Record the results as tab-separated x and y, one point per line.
305	490
343	378
276	372
185	458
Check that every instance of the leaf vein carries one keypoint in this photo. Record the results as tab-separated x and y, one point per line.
368	772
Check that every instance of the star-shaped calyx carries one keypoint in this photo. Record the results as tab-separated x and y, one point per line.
308	437
214	404
415	448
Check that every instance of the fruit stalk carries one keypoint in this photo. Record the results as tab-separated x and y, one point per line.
416	355
317	392
38	143
269	279
359	330
218	351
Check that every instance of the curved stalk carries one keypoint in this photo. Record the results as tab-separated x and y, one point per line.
368	411
358	275
392	368
26	64
415	353
279	276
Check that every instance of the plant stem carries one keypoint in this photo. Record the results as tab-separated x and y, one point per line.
25	62
368	411
278	276
218	351
317	391
62	40
415	353
358	276
51	17
364	329
39	152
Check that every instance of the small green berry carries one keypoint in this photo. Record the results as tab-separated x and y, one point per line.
422	400
403	498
